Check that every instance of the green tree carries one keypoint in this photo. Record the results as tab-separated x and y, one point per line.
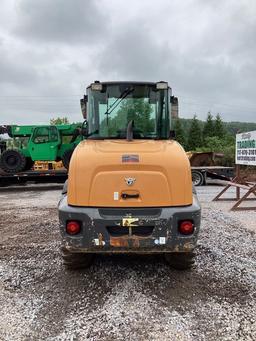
225	146
208	130
219	129
195	135
213	144
137	110
179	132
59	121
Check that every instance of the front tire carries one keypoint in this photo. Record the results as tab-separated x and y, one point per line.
76	260
12	161
180	260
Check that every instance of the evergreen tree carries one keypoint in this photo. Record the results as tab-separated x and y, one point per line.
219	130
179	133
195	135
208	130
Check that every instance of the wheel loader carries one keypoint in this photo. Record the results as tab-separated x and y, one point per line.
43	143
129	186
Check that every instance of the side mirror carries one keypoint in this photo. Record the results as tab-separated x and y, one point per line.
174	107
84	130
172	135
83	102
174	100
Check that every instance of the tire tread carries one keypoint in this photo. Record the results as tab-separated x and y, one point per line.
76	260
180	260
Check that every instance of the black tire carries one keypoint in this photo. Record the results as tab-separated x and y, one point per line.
66	157
65	188
180	260
12	161
197	178
2	172
76	260
29	163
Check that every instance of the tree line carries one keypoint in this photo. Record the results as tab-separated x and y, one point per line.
198	136
212	135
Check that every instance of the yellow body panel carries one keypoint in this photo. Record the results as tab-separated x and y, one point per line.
98	175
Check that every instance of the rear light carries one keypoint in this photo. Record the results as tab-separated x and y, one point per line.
73	227
186	227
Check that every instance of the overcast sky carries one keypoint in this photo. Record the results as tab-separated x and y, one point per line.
51	49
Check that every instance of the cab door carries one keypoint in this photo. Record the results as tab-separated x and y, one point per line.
44	143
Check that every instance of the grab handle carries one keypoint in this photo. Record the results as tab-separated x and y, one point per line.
129	196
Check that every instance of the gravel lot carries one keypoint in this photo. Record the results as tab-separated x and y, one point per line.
124	297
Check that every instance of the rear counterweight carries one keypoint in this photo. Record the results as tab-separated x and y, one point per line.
139	230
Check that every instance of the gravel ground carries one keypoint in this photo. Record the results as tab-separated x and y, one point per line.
124	297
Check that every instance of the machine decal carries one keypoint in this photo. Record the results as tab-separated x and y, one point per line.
116	196
130	158
160	241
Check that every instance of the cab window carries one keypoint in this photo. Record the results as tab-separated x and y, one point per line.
45	135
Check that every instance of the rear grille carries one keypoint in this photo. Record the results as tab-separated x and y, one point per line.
137	212
140	231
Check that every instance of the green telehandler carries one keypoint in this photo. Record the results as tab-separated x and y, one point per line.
43	143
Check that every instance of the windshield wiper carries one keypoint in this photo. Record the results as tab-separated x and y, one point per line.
124	94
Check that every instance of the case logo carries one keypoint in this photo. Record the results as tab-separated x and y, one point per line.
130	181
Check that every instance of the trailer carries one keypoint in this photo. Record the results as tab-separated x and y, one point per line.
42	176
201	174
206	165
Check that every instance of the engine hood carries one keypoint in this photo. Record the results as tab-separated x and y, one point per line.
140	173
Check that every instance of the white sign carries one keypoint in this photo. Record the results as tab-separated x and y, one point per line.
246	148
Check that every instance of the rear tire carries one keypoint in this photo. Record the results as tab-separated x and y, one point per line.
180	260
12	161
76	260
197	178
66	157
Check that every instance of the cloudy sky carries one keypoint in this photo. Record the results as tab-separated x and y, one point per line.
51	49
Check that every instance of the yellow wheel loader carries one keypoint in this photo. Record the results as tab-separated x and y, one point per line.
129	186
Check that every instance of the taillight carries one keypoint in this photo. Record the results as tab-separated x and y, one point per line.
186	227
73	227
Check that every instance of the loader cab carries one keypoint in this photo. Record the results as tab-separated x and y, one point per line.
44	142
112	108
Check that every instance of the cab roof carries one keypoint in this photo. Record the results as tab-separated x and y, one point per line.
126	82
